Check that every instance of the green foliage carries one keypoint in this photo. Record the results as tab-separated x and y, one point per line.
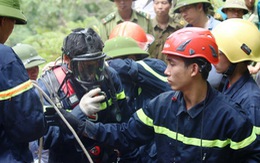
50	21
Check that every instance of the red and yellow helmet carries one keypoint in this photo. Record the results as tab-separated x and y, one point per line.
133	30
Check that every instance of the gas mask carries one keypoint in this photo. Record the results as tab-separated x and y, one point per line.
88	69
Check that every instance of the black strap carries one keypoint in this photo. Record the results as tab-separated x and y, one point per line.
113	93
222	84
229	72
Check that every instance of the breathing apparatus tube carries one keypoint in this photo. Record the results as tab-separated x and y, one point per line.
64	120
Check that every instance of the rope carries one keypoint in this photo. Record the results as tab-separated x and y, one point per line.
64	120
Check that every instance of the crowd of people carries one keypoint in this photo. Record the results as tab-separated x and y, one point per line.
167	87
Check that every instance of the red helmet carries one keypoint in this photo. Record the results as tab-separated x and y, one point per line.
192	42
133	30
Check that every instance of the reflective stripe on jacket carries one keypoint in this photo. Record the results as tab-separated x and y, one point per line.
215	130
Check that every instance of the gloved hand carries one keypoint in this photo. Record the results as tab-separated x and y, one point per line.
90	102
50	116
53	119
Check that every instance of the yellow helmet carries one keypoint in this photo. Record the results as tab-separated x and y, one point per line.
238	39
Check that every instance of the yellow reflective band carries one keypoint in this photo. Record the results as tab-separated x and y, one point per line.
245	142
257	130
103	105
149	69
196	141
19	89
145	119
139	90
119	96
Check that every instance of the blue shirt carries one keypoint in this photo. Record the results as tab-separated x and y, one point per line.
246	92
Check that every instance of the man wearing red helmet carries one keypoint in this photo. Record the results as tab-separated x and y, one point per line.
193	123
197	13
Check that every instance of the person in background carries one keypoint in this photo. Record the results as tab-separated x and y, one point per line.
197	14
192	123
233	61
21	112
30	58
163	26
235	8
31	61
124	13
252	15
219	14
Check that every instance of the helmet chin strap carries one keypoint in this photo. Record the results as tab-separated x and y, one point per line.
226	74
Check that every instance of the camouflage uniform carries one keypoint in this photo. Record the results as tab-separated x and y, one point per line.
110	21
161	35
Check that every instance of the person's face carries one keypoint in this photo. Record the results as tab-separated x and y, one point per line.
178	75
161	7
190	13
7	26
223	64
123	5
33	72
250	3
234	13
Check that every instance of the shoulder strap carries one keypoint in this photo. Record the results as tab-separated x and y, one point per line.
52	85
143	14
108	18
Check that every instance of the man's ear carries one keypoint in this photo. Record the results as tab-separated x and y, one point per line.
195	69
199	6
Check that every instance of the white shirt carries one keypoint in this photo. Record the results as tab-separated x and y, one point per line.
141	5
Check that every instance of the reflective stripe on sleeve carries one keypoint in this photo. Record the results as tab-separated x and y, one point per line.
196	141
120	96
149	69
257	130
144	118
19	89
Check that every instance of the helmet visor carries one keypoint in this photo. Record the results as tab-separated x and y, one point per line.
88	71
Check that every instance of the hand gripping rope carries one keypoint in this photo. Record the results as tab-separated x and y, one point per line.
64	120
